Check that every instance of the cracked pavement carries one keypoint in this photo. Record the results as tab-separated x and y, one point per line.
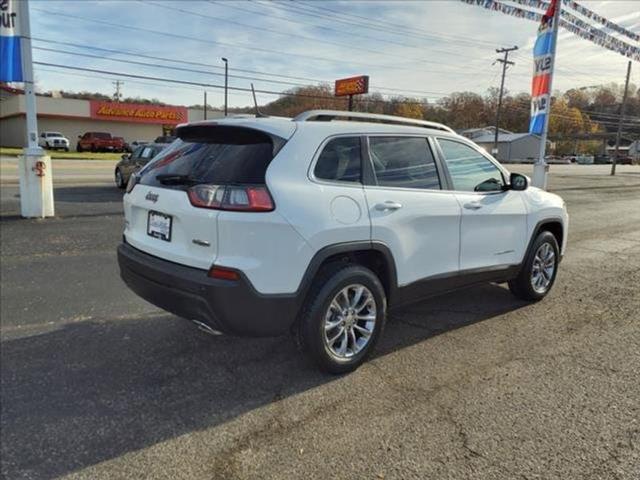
96	383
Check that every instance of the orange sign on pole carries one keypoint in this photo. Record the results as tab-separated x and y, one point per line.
352	86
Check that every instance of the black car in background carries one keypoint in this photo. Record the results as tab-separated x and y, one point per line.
165	139
132	162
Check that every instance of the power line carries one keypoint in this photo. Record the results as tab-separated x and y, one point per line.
137	82
155	65
341	32
186	62
287	34
306	9
121	52
210	85
247	47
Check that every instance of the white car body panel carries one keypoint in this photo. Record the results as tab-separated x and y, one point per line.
265	247
543	206
424	234
323	213
189	224
493	229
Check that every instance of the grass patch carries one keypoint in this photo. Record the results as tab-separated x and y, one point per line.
66	155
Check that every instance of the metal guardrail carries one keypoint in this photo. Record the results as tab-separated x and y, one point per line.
327	115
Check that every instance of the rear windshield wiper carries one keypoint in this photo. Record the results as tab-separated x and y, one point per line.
173	179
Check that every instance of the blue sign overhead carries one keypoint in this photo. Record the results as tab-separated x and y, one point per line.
10	56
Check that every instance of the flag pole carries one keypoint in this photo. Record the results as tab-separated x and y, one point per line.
36	185
541	168
32	147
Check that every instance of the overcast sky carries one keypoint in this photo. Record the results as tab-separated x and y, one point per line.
420	48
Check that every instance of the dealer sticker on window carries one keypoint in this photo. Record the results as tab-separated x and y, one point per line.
159	226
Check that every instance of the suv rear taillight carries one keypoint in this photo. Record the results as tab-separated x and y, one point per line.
231	197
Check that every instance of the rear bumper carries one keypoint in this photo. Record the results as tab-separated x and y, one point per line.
232	307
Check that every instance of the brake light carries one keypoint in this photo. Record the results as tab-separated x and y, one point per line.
222	273
231	197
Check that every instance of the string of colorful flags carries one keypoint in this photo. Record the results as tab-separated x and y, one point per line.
584	30
590	14
571	23
601	20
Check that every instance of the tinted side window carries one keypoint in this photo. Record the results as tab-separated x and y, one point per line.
147	153
403	162
340	160
469	170
136	153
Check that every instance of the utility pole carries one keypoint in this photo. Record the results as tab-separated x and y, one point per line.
117	96
226	85
621	120
205	104
505	62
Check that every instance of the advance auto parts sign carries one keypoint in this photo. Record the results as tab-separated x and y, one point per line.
134	112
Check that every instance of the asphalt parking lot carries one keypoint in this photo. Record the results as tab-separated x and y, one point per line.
96	383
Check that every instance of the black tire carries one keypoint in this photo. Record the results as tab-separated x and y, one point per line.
310	330
66	149
78	148
119	177
93	148
522	286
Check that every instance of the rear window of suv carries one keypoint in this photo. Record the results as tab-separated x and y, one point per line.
216	155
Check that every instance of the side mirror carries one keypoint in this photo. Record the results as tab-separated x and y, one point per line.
126	156
518	182
79	137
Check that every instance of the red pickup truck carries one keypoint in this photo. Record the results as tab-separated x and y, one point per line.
100	142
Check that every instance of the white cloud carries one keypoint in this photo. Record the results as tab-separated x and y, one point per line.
431	46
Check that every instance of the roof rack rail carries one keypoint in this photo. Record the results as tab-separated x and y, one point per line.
328	115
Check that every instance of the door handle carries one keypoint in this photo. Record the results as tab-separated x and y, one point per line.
472	206
388	205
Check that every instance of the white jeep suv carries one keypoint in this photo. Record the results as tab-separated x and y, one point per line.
316	226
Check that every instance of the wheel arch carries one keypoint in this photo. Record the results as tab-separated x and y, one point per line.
373	255
552	225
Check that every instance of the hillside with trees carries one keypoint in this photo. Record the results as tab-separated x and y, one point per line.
577	112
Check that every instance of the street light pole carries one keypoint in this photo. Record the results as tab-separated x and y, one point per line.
505	61
226	85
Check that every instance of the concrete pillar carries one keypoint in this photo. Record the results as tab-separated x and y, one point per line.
36	186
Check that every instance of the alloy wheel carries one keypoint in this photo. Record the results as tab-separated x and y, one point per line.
349	322
543	268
